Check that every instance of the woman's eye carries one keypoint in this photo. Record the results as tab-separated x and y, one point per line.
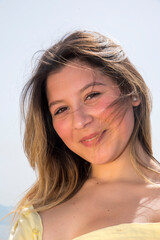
92	95
60	110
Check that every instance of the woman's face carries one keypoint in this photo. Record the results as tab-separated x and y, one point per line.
78	98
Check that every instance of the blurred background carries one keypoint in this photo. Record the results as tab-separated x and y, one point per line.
29	26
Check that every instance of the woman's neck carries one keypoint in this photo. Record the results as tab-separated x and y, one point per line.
120	169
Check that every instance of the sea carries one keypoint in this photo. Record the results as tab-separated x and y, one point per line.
5	224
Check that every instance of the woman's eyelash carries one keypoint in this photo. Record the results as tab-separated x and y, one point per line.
92	95
60	110
88	97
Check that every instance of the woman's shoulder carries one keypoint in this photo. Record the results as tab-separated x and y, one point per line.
28	225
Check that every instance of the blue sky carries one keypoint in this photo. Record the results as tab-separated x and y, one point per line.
29	26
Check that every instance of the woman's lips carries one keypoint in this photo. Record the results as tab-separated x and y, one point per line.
87	138
92	139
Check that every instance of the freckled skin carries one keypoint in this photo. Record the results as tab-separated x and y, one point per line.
84	117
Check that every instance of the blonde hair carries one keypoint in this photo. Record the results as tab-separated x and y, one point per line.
61	173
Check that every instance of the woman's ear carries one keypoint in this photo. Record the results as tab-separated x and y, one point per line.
135	100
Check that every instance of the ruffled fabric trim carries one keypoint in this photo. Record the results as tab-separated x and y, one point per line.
28	226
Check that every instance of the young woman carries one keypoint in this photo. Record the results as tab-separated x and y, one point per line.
88	136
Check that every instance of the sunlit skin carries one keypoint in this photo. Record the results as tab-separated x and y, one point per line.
114	193
79	111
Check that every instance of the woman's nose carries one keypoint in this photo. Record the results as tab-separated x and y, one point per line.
81	118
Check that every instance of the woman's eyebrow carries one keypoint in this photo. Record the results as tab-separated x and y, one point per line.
92	84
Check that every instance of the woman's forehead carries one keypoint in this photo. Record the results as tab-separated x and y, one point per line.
76	72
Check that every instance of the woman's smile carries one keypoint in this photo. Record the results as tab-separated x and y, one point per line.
93	139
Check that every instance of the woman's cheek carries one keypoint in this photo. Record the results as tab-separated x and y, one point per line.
102	108
62	128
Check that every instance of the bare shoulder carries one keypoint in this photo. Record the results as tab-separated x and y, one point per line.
152	191
58	222
63	220
153	200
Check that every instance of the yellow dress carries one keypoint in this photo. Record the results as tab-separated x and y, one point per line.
29	227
